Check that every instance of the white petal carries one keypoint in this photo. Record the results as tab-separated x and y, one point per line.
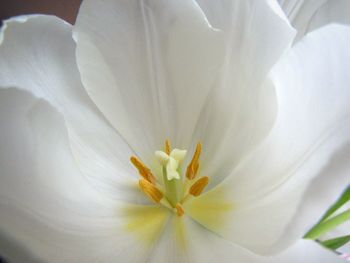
39	177
241	109
48	207
320	195
312	126
220	13
104	240
35	150
185	241
331	12
305	251
38	54
309	15
148	66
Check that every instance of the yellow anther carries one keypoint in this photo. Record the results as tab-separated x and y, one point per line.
167	147
196	167
150	190
179	209
198	187
144	171
192	168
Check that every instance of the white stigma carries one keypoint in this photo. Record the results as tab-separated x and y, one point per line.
171	162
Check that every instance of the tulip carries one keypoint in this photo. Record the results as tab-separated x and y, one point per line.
170	131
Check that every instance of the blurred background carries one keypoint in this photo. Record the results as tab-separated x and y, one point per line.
66	9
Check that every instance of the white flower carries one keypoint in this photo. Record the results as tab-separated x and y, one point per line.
307	16
273	122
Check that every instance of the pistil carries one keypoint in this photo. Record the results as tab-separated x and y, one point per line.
173	188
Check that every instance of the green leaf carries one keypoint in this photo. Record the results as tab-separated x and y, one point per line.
335	243
328	225
339	203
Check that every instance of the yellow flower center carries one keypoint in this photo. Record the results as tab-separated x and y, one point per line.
174	189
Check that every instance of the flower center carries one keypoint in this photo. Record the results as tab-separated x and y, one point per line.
172	189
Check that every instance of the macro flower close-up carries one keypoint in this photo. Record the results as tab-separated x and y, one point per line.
176	131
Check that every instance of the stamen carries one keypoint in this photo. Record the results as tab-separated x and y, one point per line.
150	190
144	171
198	187
172	192
167	147
192	168
196	167
179	209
